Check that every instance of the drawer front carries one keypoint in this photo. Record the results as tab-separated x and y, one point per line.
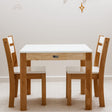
55	56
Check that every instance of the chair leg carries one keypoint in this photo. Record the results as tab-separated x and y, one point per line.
28	86
16	87
66	86
101	93
12	93
96	90
83	86
44	89
69	90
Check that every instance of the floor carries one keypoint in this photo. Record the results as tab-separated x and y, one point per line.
56	100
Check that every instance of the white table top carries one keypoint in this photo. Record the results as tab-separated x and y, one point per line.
55	48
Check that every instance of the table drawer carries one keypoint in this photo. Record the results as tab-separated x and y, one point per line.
55	56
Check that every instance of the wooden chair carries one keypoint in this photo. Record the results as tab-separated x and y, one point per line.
97	72
14	72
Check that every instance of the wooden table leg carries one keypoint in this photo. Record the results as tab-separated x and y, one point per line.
69	89
88	100
23	82
44	89
82	64
29	80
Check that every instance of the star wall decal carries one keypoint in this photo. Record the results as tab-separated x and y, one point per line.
81	7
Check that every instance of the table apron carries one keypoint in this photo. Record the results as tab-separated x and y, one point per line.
55	56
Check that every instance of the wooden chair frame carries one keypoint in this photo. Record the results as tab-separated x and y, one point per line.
98	78
12	62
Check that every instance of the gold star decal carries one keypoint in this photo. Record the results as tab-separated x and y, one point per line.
81	7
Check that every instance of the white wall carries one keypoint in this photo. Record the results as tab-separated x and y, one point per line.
53	22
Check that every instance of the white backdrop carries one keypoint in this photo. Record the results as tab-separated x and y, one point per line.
55	22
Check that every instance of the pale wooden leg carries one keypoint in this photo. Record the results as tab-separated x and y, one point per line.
28	80
23	82
83	86
88	100
66	85
69	90
101	91
16	87
28	86
12	93
44	89
82	63
96	90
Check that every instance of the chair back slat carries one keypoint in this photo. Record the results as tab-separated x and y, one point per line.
12	49
10	40
102	39
100	48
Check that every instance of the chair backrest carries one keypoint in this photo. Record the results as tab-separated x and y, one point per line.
10	49
101	53
10	54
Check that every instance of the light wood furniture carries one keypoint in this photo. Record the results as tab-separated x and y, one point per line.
55	52
97	73
14	72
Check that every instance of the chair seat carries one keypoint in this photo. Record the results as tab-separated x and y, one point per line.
30	70
81	70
